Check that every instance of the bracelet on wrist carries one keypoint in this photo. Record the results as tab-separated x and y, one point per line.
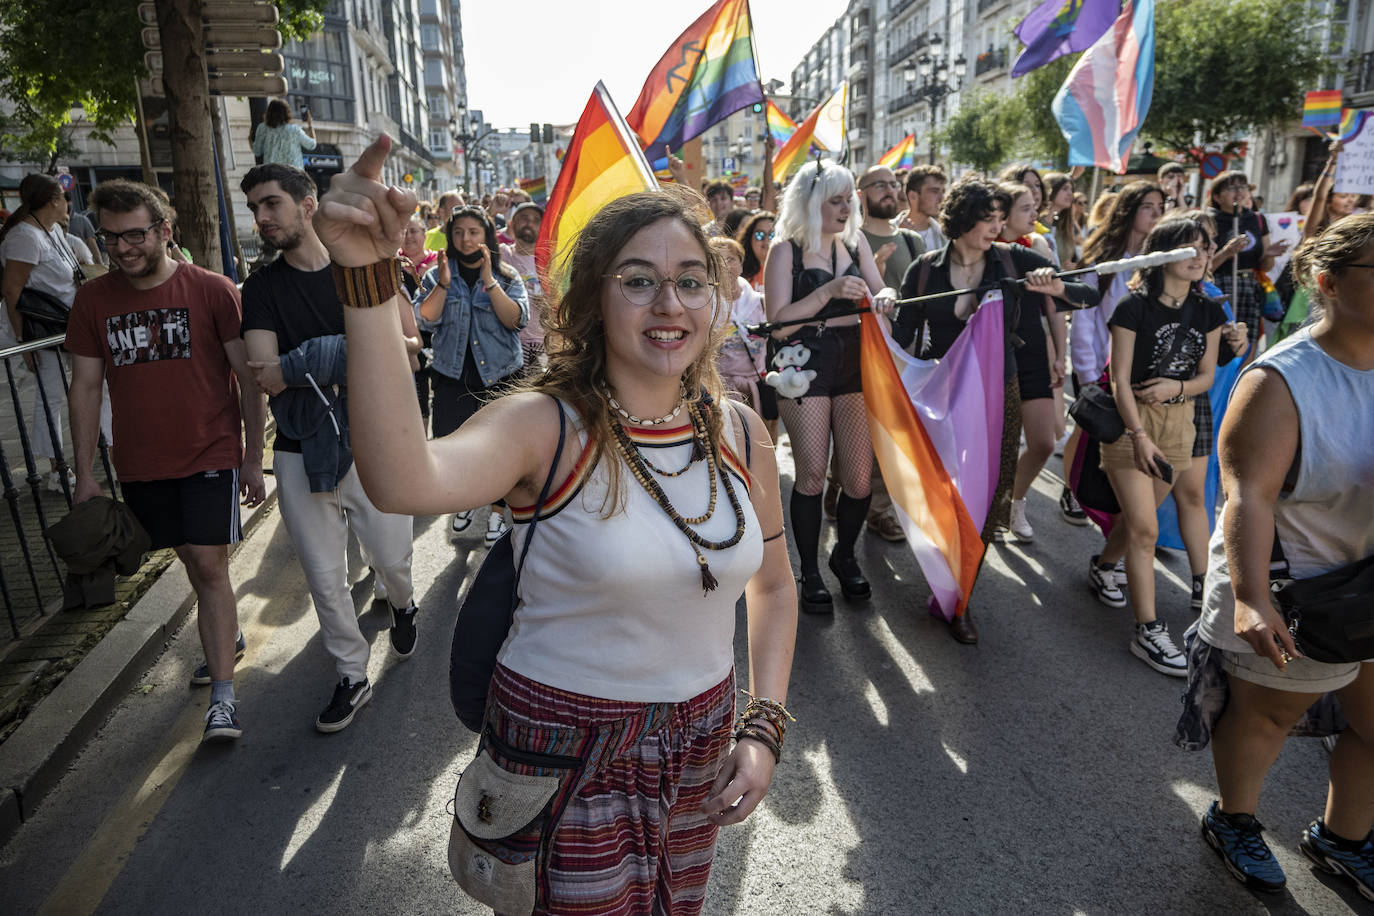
368	286
488	287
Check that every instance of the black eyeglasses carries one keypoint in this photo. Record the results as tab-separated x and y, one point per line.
761	236
130	236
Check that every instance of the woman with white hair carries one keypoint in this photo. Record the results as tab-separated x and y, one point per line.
821	264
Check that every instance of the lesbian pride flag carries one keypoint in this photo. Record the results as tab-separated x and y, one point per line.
937	432
1102	105
603	162
901	156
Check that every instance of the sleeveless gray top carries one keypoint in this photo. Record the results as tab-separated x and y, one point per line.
1327	521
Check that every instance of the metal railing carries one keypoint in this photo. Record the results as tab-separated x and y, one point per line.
989	61
1359	74
33	566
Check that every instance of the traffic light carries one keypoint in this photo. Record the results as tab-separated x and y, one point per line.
548	133
758	108
534	132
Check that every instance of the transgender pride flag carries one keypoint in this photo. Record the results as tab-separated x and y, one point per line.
937	432
1102	105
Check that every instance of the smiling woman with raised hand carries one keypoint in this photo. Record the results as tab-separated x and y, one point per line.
616	681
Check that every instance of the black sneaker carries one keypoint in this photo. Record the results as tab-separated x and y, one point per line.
221	723
201	676
403	629
1070	509
1196	601
1104	585
348	699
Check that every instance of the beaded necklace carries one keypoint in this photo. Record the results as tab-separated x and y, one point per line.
658	421
642	473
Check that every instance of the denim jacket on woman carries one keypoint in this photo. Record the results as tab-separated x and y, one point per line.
469	318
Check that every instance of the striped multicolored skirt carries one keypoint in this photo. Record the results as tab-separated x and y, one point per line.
625	832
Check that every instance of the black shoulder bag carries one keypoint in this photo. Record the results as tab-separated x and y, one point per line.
43	314
485	616
1331	616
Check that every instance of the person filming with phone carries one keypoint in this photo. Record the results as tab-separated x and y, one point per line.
280	139
1165	339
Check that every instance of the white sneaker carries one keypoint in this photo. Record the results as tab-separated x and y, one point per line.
496	526
1153	645
1060	443
1019	526
461	521
1119	573
1104	585
52	481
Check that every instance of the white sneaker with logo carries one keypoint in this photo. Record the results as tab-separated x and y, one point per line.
1155	647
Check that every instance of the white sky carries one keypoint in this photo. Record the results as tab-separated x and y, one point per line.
538	60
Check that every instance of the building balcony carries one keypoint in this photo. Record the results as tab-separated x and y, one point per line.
990	62
988	6
858	45
859	105
1359	79
904	101
907	49
858	67
896	8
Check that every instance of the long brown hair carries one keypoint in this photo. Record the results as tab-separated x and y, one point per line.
576	335
1108	241
36	191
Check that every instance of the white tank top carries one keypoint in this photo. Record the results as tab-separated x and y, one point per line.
1327	521
613	607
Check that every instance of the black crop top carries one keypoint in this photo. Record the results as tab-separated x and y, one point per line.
806	280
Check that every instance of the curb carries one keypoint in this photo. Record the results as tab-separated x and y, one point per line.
35	756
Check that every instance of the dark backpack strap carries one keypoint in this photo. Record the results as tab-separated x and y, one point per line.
796	265
910	243
544	493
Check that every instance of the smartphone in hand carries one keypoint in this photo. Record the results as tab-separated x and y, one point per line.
1166	470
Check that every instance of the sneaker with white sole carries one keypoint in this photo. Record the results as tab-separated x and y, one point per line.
1153	645
1104	585
1237	839
461	521
1019	526
1119	572
201	676
403	633
221	722
1331	856
496	526
348	699
52	481
1070	510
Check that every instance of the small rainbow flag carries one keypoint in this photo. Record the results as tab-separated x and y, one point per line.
823	128
901	156
1322	109
707	74
1352	122
780	126
536	188
603	162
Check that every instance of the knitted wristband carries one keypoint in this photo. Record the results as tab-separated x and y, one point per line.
370	286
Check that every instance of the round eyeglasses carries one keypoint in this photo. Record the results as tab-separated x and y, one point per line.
641	285
761	236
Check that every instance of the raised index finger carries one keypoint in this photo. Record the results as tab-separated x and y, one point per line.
369	164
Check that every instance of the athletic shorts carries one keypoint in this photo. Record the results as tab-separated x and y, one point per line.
201	509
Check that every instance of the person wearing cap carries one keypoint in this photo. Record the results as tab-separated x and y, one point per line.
524	230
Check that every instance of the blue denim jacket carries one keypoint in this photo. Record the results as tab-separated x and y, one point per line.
468	317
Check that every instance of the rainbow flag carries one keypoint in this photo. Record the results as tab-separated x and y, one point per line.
823	128
937	431
1103	103
780	126
901	156
1322	109
603	162
1351	123
536	188
708	74
1059	27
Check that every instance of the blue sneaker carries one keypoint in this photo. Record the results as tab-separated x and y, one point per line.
1236	838
222	722
1357	865
201	676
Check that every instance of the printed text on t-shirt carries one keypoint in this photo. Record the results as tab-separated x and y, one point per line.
149	335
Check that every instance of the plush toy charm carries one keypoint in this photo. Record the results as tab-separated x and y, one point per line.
788	377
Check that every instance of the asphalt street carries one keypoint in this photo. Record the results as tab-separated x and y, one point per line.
1034	773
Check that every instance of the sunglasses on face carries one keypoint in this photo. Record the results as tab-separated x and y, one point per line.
761	236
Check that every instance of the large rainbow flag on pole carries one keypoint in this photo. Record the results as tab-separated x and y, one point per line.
1102	105
708	74
823	128
603	162
780	126
937	432
901	156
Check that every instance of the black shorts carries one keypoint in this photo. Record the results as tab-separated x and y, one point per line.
201	509
1033	370
834	357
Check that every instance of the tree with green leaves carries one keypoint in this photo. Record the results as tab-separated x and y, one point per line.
982	131
47	70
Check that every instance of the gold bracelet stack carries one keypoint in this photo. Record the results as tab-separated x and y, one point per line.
764	721
369	286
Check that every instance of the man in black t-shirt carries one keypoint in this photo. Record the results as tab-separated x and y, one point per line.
293	326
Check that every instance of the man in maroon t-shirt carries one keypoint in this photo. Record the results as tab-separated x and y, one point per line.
165	335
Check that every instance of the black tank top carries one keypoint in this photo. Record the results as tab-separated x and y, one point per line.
806	280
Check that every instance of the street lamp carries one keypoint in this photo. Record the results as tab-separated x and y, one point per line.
939	77
470	134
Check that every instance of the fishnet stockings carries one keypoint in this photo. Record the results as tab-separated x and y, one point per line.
813	424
